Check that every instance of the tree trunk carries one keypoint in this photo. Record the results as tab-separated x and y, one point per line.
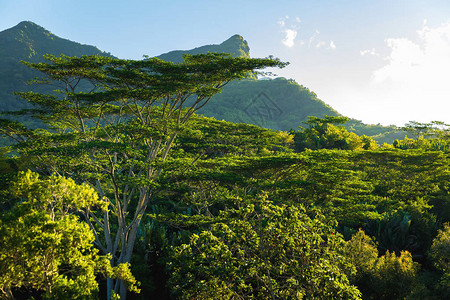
109	287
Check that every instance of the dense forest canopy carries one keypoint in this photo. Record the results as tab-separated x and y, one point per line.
127	192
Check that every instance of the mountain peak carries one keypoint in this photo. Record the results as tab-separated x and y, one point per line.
28	28
234	38
26	24
29	41
236	45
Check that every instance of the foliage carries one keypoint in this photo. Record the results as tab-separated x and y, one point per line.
440	255
323	134
363	254
393	233
432	136
395	277
128	131
264	251
385	277
430	144
8	172
293	102
386	186
434	129
213	139
45	247
117	136
352	187
440	250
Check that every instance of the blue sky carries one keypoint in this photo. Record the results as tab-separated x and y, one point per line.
379	61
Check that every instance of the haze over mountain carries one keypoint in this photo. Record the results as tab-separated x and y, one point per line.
272	103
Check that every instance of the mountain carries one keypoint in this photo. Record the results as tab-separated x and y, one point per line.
274	103
29	41
280	104
235	45
277	104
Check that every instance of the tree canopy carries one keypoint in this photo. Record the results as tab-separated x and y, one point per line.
112	123
46	247
125	176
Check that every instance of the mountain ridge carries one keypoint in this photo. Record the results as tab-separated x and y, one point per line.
29	42
286	103
36	38
236	45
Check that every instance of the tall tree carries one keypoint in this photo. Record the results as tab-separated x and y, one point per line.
323	134
112	125
46	248
262	251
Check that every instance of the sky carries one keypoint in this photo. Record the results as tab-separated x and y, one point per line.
379	61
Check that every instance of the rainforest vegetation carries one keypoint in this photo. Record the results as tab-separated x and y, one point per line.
274	103
127	192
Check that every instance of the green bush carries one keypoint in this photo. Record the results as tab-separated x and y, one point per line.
440	255
385	277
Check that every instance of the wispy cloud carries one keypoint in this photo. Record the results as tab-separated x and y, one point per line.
290	29
369	52
290	32
320	44
315	41
313	38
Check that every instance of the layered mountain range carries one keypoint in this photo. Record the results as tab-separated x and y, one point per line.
278	103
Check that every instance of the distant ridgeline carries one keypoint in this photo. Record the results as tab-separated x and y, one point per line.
235	45
280	103
29	42
272	103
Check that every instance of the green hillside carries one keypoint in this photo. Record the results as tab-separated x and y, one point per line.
123	189
29	42
279	103
188	207
282	104
271	103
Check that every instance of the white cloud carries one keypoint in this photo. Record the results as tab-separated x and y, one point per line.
332	45
290	29
426	61
369	52
290	32
416	74
313	37
320	44
289	39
